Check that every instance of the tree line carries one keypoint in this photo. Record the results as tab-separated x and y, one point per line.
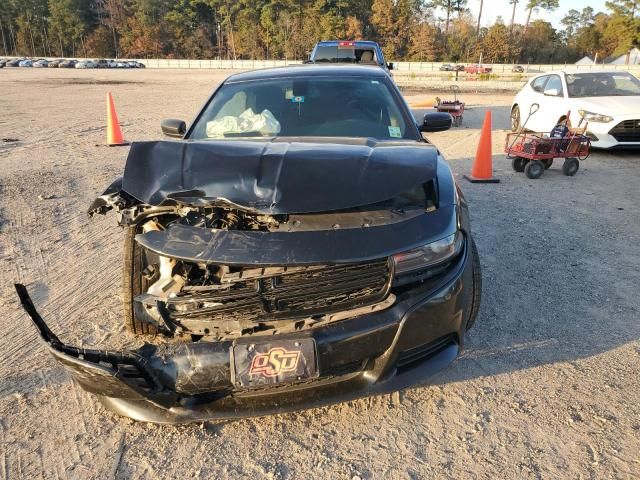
437	30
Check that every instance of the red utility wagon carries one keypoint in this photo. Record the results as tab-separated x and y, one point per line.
533	152
453	107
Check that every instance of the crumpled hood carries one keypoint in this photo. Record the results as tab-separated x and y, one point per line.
280	175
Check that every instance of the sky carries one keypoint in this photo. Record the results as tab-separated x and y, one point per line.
493	8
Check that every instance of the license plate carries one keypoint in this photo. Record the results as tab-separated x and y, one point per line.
271	363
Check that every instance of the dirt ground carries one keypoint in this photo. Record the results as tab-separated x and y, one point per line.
547	387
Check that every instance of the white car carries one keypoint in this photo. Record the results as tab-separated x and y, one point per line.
86	64
608	101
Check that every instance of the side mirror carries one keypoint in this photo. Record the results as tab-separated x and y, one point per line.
173	128
436	122
390	65
551	92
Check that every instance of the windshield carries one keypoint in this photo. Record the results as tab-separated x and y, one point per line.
308	106
602	84
345	54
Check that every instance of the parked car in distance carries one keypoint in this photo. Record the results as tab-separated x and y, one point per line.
42	63
362	52
102	63
476	68
447	67
122	65
517	69
55	63
26	63
86	64
608	101
67	64
14	63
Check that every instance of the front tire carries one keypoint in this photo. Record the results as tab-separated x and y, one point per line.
134	283
515	118
476	270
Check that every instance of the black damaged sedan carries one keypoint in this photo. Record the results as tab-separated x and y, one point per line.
300	244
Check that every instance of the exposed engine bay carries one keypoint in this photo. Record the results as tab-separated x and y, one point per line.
199	263
218	302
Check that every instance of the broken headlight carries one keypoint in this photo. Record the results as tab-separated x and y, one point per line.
429	255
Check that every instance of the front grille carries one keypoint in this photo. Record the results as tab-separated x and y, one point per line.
291	293
626	131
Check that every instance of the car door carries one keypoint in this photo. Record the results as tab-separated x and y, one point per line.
534	95
555	103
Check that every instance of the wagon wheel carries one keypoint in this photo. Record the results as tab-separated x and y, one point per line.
534	169
457	121
570	167
518	164
547	162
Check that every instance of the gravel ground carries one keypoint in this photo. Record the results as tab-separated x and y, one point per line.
546	388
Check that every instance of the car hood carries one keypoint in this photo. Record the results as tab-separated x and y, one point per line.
612	105
277	176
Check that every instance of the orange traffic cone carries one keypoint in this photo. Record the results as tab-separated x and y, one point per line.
114	134
482	171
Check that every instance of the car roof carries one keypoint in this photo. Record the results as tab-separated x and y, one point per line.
310	70
368	43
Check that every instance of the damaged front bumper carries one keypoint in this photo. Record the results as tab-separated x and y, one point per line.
379	352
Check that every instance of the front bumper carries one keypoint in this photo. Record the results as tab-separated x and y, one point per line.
376	353
607	136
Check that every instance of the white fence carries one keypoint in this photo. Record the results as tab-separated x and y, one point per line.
401	68
404	67
216	64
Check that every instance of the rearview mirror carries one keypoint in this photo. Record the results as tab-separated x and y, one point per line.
551	92
436	122
390	65
172	127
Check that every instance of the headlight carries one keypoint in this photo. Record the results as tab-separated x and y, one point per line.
595	117
428	255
